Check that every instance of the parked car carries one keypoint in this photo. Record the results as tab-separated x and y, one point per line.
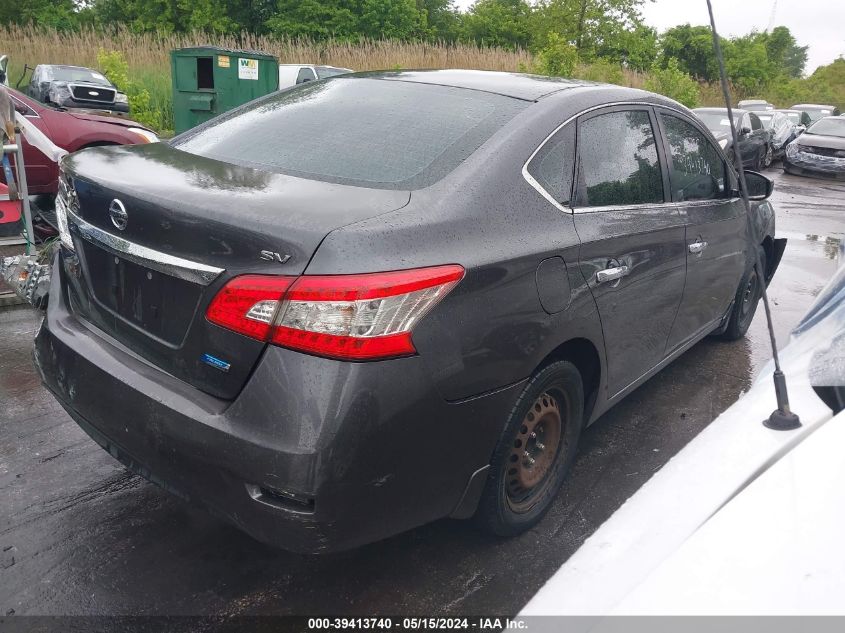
816	111
294	74
799	118
755	105
781	130
75	87
820	151
71	131
353	307
744	520
755	148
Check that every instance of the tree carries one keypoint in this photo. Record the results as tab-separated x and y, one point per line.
747	63
391	19
692	48
784	53
313	19
674	83
442	19
558	58
504	23
598	28
61	15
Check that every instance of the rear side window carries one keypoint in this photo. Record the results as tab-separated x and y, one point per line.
553	165
354	130
618	162
755	122
698	172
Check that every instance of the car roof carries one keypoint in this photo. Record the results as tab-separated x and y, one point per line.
68	66
517	85
814	106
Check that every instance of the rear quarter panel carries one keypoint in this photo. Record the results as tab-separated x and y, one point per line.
491	330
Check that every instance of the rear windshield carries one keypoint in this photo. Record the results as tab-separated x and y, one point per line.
324	72
360	131
715	121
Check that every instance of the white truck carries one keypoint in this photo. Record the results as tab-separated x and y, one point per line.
294	74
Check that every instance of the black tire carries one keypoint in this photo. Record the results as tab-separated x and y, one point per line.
745	303
508	506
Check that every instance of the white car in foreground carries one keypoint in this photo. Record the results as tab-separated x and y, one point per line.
744	520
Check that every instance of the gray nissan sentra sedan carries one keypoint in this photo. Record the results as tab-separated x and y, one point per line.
366	303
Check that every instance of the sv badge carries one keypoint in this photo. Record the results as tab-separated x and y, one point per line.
271	256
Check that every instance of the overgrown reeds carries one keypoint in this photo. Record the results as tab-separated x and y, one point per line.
148	55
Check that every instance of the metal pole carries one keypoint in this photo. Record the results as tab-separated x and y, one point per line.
783	418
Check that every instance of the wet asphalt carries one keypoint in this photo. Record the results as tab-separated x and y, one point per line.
81	535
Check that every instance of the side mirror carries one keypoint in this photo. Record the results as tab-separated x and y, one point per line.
800	129
759	187
745	131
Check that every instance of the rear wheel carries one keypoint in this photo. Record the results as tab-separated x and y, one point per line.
745	302
535	451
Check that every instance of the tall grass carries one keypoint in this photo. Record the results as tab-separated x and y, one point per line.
148	55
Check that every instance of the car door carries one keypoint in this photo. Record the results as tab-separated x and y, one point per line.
749	143
40	171
716	230
632	241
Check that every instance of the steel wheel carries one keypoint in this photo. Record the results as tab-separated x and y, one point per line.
534	452
749	295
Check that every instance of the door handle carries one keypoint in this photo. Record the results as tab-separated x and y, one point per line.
612	274
696	247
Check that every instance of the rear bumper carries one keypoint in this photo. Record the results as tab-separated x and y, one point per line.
314	455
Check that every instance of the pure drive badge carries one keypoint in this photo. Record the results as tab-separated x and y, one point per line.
215	362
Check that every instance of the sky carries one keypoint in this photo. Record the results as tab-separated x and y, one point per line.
819	24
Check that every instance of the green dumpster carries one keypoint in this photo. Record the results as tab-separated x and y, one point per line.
209	80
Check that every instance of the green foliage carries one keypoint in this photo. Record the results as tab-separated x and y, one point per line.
784	54
747	63
114	66
611	29
502	23
692	48
674	83
391	19
602	71
558	58
312	19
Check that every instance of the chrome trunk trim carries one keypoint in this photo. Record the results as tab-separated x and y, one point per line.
156	260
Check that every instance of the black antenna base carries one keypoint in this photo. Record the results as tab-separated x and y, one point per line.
782	421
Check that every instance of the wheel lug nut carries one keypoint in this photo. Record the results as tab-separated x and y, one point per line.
540	446
533	435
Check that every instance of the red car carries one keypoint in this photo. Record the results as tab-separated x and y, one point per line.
71	131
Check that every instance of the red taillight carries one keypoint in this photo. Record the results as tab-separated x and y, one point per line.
351	317
248	304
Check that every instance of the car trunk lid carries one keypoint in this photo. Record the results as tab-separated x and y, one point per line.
159	231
